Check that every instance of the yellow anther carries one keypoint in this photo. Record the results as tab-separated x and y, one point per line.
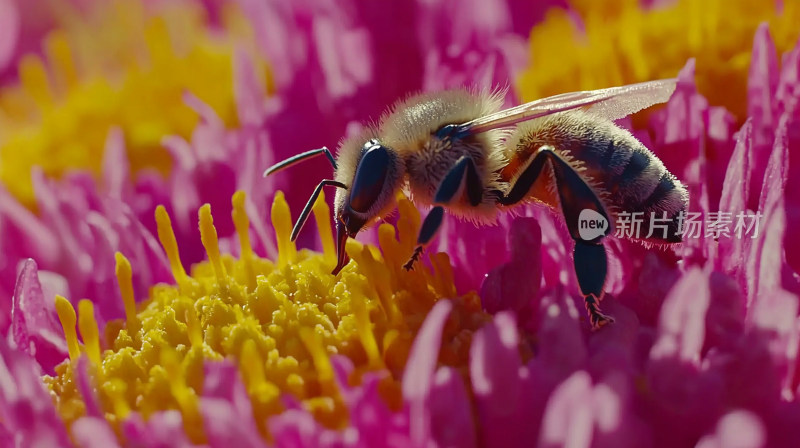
194	328
184	395
34	79
66	314
365	334
116	389
322	216
313	343
208	235
251	365
167	237
281	333
242	223
282	222
125	281
89	332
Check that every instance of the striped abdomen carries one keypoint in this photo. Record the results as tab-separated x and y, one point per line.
630	180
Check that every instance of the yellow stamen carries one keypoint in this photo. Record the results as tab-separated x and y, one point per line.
167	237
322	216
282	222
242	224
282	332
251	365
116	390
194	328
263	393
208	235
89	332
313	343
125	281
185	396
365	334
66	314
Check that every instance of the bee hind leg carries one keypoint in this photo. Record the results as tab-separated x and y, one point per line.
576	196
463	175
591	265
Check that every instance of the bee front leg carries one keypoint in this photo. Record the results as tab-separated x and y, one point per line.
576	196
462	175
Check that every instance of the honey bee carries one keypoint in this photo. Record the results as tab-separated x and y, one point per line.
458	151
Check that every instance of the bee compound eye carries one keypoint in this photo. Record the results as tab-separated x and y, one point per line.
370	177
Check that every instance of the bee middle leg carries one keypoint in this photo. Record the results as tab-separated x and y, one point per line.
575	195
463	175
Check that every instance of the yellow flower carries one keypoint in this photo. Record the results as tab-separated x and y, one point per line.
624	43
116	65
281	320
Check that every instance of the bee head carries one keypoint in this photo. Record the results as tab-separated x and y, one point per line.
376	176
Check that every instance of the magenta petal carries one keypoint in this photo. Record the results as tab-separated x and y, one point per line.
9	32
451	410
775	313
682	321
298	429
495	372
765	261
421	364
116	168
83	379
26	408
33	324
225	404
738	428
93	432
761	86
494	364
248	91
162	430
726	312
568	419
734	200
513	285
561	346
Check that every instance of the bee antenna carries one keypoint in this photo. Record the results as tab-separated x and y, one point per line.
299	158
310	204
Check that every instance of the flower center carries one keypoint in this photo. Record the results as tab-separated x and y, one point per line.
281	320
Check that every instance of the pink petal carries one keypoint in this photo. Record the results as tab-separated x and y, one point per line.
26	408
765	261
33	323
421	364
162	430
93	432
116	168
761	86
737	429
9	32
248	91
567	421
225	404
682	320
513	285
495	373
451	410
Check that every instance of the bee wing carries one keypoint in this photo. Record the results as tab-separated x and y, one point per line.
612	103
